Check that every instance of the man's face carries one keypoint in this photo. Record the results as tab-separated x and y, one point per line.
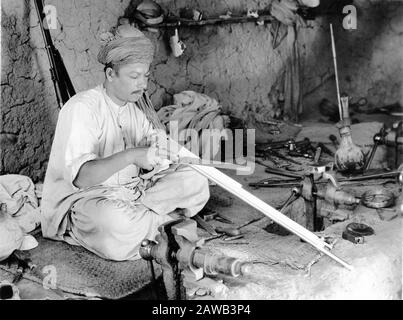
129	81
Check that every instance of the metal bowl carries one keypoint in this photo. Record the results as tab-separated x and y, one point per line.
378	198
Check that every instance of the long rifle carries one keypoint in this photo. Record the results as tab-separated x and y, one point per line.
63	86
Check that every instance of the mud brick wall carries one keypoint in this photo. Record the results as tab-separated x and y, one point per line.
28	104
370	58
235	64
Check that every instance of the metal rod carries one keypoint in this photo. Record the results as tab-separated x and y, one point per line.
371	156
226	182
335	71
334	257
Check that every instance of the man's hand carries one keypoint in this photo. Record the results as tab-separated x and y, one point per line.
96	171
149	157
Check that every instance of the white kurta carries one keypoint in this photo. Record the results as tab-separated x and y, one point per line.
112	218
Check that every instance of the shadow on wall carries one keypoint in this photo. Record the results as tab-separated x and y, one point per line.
26	126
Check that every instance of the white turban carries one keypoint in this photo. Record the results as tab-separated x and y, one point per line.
126	45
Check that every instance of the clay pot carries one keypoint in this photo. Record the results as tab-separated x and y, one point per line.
349	158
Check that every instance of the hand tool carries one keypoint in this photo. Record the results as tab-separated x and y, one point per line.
280	156
204	225
317	155
214	216
288	144
20	272
277	171
275	184
23	264
235	231
234	243
306	148
270	181
222	219
294	169
208	216
240	236
295	194
264	156
379	139
325	149
299	154
249	223
228	231
221	235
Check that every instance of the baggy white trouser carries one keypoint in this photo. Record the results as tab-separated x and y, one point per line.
113	227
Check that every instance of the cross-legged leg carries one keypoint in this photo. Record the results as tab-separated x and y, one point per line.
113	230
180	188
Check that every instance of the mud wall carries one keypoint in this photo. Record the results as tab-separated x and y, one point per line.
236	64
370	58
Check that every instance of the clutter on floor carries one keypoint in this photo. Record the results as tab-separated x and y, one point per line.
285	117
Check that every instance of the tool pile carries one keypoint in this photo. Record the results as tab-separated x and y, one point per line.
321	180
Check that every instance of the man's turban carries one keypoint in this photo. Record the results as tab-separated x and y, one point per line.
126	45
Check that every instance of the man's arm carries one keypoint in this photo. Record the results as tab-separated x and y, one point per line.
97	171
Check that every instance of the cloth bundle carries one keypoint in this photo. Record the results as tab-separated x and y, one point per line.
18	193
19	214
197	112
285	11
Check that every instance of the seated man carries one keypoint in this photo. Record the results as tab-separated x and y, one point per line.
93	194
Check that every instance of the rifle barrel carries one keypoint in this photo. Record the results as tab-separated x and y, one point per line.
64	88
